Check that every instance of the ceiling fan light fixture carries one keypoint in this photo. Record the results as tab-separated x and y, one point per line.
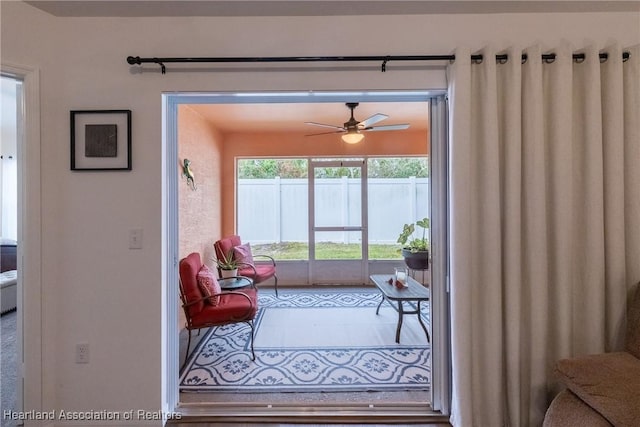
353	127
352	137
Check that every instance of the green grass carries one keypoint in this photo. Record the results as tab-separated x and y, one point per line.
325	250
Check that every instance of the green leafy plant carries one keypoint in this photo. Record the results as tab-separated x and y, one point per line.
227	262
412	243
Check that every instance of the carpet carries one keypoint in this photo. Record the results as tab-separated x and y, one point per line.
313	341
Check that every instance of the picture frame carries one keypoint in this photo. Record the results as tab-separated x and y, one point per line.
100	140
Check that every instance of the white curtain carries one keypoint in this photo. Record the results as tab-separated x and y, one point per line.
545	221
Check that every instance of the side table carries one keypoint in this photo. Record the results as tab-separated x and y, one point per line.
236	282
414	293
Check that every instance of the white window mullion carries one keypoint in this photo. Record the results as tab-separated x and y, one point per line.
312	220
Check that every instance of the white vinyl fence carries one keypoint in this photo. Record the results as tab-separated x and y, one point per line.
276	210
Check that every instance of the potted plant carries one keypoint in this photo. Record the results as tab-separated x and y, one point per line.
415	250
228	265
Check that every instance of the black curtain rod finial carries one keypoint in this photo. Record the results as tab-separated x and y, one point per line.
136	60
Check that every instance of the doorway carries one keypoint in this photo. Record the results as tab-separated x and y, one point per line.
12	131
29	256
171	103
340	185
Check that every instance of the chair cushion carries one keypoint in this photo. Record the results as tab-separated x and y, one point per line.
208	284
188	269
243	253
609	383
231	308
8	290
8	278
226	245
265	271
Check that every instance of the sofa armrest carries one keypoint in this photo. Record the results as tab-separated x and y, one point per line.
8	255
609	383
632	339
568	410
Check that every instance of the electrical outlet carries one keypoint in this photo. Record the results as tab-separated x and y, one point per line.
82	352
135	238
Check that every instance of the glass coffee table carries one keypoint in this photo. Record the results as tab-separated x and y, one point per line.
237	282
413	294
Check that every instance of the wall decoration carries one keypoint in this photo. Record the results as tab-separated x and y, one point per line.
188	173
101	140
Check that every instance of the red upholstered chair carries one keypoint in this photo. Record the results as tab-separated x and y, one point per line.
213	309
259	272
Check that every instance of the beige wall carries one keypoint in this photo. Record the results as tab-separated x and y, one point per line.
94	288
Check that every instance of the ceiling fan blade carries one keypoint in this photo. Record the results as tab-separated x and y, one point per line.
326	133
388	127
324	125
378	117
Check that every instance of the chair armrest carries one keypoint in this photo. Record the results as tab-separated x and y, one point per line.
203	299
199	300
252	306
234	293
246	264
273	261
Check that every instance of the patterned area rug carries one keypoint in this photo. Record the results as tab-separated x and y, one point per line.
222	361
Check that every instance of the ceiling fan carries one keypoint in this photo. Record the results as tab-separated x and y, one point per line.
352	129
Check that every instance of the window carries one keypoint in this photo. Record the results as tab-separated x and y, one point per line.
272	205
398	194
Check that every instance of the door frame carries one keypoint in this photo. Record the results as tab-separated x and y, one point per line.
363	228
29	255
439	219
170	360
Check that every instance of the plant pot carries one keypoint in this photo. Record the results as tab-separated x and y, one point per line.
416	260
228	273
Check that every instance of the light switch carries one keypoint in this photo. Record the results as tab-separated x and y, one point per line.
135	238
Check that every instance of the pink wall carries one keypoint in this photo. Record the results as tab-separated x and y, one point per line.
199	211
276	144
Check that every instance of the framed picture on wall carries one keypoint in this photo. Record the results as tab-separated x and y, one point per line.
101	140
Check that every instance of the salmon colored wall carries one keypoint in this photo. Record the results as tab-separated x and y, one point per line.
199	211
278	144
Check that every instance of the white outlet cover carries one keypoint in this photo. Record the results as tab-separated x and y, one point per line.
82	352
135	238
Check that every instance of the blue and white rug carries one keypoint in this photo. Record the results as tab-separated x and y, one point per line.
313	341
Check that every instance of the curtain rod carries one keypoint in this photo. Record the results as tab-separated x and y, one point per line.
548	57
